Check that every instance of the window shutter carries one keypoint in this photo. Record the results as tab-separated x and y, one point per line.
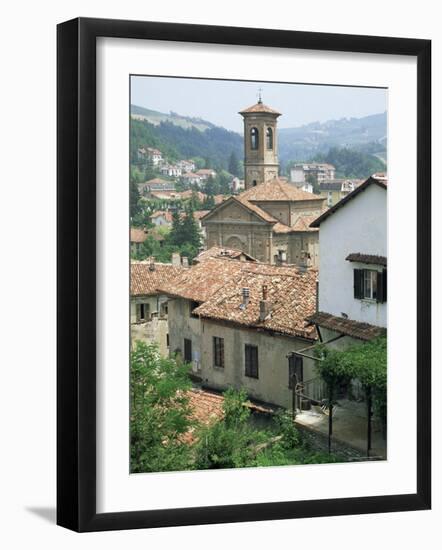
358	282
299	362
382	286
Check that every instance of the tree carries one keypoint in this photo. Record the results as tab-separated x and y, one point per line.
365	362
160	412
230	442
210	187
134	199
223	182
234	166
190	231
176	230
209	202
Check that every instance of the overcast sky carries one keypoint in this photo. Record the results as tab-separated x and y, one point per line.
219	101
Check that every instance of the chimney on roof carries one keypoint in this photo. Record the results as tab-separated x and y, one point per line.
245	297
151	263
185	261
264	292
264	304
304	262
176	259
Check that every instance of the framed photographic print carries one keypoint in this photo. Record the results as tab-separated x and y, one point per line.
230	203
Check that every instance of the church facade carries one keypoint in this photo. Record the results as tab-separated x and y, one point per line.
271	219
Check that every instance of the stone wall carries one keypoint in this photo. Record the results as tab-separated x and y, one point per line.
272	384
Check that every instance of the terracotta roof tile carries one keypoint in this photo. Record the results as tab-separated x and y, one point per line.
281	228
198	214
256	209
220	198
291	297
203	279
144	281
355	329
222	252
206	407
137	235
259	108
303	223
277	190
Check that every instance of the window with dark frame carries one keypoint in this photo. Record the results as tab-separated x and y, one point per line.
370	284
254	139
143	311
296	370
218	352
251	361
187	350
192	306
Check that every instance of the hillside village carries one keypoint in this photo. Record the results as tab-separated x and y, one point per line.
267	283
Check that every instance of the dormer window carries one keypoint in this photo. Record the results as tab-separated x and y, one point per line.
254	139
269	138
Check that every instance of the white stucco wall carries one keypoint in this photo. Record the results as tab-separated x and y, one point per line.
359	226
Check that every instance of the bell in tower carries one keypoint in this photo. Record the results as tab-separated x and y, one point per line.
260	144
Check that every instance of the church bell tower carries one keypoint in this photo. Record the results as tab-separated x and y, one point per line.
260	144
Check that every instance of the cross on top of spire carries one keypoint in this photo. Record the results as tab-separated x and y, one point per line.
260	95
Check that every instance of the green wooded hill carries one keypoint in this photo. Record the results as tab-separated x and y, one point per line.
214	145
366	134
356	146
350	163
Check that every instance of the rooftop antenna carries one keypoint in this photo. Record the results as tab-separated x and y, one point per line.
260	95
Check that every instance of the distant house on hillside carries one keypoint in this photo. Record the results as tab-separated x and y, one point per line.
155	184
186	166
161	218
316	170
237	185
206	173
336	189
191	178
152	155
171	170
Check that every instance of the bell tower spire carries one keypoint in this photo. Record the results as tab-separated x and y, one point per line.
260	143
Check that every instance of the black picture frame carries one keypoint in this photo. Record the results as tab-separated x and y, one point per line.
76	274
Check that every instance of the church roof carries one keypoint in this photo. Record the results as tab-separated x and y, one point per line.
259	108
245	204
302	224
277	190
254	208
